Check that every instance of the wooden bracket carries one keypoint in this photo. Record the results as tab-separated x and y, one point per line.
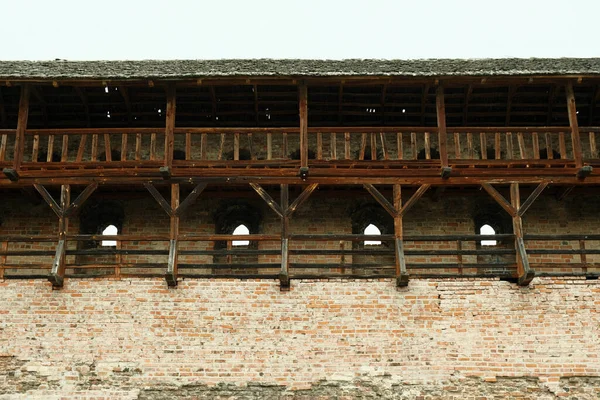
446	171
171	275
165	172
585	171
11	174
268	199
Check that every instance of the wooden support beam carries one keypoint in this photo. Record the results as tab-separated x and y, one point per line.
171	275
83	196
268	199
552	95
43	104
442	134
170	127
575	139
595	98
389	207
284	273
466	105
413	199
532	197
49	200
86	105
511	92
159	198
424	98
125	94
301	199
21	127
502	202
303	104
190	199
401	273
524	272
57	274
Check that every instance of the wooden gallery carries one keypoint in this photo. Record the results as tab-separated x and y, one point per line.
300	229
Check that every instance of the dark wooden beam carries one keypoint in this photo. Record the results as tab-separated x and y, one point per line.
159	198
21	127
532	197
284	273
468	95
511	92
594	103
3	122
190	199
502	202
340	114
268	199
382	102
575	139
125	94
301	198
413	199
49	200
401	273
256	117
170	126
524	272
442	135
43	104
389	207
552	95
171	275
83	196
303	104
57	273
424	98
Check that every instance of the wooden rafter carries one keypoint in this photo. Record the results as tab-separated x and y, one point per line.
340	114
382	102
256	117
595	99
86	106
268	199
552	95
301	198
125	94
512	89
468	95
3	121
572	110
43	104
424	98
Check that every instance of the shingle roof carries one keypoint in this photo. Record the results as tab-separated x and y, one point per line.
182	69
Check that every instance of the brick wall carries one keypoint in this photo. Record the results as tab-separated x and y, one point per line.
451	338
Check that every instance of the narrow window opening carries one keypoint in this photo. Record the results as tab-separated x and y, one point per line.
241	230
110	231
372	230
487	230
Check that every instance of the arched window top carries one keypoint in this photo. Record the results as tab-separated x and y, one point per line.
241	230
110	230
487	230
372	230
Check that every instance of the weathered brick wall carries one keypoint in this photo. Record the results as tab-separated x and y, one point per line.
451	338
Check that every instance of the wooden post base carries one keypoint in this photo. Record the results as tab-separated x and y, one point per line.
11	174
165	172
56	280
585	171
446	171
526	278
284	282
402	280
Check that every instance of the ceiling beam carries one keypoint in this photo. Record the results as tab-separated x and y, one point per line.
86	106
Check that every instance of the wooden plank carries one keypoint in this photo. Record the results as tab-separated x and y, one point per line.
303	105
170	125
107	148
413	199
21	127
549	149
525	273
441	122
502	202
171	275
457	149
521	142
124	147
536	145
383	146
363	146
399	145
389	207
57	274
470	150
49	199
236	146
3	250
483	145
138	146
373	147
284	145
250	143
562	146
509	146
83	196
190	199
347	145
50	148
532	197
284	274
159	198
497	146
34	150
413	145
400	261
593	148
319	146
188	146
575	139
3	144
153	146
94	153
582	255
301	198
333	146
427	146
81	148
222	147
203	146
267	198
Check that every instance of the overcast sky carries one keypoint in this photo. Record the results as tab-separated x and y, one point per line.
186	29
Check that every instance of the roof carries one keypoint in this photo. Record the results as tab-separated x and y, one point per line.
186	69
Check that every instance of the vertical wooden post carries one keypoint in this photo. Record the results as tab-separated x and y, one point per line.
284	274
169	130
57	274
524	272
303	103
442	136
13	174
572	110
401	274
171	276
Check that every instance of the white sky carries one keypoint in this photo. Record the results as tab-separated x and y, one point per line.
186	29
